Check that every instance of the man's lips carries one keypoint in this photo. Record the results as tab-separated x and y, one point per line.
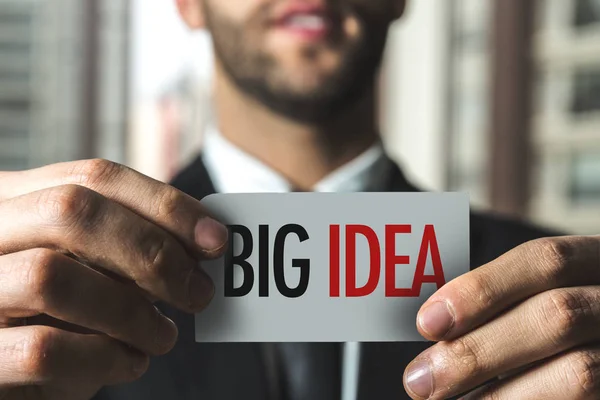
305	20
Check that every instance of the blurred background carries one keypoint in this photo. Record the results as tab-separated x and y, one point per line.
500	98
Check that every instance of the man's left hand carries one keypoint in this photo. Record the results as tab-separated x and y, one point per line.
525	326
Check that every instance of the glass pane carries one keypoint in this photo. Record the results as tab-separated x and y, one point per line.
14	75
585	178
13	132
472	22
15	47
469	105
16	105
586	91
587	12
13	163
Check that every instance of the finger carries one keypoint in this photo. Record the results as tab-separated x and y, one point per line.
167	207
537	266
574	375
540	327
36	355
104	234
43	281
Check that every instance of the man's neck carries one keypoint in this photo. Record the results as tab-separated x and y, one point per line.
303	154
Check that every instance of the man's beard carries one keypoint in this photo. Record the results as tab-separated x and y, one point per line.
250	69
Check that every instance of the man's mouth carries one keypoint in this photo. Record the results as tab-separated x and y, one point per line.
309	22
304	20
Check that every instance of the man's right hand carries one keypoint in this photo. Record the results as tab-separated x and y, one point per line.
85	248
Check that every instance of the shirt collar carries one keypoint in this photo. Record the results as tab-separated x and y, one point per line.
234	171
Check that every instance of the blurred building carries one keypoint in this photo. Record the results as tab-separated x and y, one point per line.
63	81
566	128
469	100
525	109
16	42
501	98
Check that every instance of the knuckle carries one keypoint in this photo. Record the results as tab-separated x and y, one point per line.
41	274
68	205
167	204
36	350
158	256
567	311
555	254
478	290
465	353
95	172
583	373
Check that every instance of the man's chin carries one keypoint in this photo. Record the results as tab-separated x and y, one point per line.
302	92
314	106
308	83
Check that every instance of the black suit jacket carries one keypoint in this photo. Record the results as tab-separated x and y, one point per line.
237	371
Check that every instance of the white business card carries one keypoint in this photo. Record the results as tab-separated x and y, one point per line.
331	267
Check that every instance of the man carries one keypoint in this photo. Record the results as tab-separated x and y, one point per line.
86	247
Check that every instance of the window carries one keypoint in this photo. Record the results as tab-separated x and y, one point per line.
586	91
587	12
585	178
12	163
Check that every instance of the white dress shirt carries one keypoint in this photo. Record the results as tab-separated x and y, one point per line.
234	171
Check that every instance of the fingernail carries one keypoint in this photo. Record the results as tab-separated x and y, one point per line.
419	379
210	235
167	333
437	319
201	290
